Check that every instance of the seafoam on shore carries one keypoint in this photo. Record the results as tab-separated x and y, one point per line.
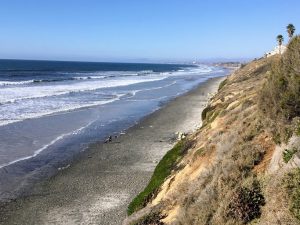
97	188
51	111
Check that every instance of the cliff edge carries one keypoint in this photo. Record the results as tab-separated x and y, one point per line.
242	165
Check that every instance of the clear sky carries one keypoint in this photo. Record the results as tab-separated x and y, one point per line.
129	30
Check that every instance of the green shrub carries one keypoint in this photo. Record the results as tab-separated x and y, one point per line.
281	94
292	185
152	218
246	203
279	99
161	172
222	84
288	133
288	154
277	138
209	114
297	131
206	112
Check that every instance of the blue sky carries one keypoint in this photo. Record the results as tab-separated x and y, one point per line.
141	30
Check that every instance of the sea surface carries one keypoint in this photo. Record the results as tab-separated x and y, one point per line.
50	111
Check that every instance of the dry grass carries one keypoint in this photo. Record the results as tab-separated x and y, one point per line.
153	218
280	97
292	185
238	138
207	200
161	172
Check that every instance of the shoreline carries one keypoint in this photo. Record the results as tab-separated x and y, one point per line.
100	183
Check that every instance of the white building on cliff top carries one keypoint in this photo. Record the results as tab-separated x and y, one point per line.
276	51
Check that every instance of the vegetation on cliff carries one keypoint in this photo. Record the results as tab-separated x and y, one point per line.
282	91
241	166
161	172
292	183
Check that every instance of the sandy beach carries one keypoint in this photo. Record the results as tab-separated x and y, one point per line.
97	187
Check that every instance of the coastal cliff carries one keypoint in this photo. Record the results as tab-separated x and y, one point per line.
242	165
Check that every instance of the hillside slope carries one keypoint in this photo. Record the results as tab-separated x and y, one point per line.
242	166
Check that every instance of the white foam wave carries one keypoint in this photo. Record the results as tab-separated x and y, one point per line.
38	151
199	70
133	93
32	110
13	94
7	83
76	76
28	102
109	74
88	77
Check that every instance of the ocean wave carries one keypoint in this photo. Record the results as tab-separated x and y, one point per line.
13	94
98	75
38	151
26	82
20	90
34	110
6	83
77	77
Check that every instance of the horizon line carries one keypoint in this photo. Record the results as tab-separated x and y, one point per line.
142	61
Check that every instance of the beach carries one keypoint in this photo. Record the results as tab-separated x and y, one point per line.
97	187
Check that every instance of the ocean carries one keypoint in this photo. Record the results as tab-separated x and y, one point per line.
50	111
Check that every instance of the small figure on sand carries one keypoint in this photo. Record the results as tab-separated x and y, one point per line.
109	139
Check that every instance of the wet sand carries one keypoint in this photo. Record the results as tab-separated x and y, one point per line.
97	187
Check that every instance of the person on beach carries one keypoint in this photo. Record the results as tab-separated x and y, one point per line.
109	139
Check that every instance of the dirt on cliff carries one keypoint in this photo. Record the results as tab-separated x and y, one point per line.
243	164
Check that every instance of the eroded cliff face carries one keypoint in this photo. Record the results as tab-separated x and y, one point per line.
235	170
